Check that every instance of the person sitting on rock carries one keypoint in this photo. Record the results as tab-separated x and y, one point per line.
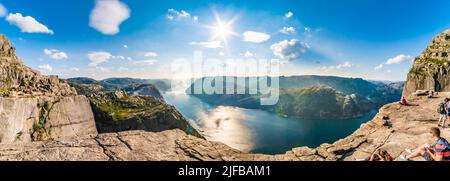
439	152
381	155
404	102
430	94
443	111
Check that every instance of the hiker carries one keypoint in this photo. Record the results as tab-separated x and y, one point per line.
430	94
381	155
439	152
443	111
404	101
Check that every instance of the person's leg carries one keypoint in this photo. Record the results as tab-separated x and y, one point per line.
441	117
418	152
444	119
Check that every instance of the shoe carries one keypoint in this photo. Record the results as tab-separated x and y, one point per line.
408	151
403	158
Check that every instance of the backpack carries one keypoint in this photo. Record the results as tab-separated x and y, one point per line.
441	109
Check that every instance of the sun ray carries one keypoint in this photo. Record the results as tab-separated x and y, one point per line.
222	30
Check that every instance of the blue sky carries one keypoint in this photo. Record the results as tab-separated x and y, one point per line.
372	39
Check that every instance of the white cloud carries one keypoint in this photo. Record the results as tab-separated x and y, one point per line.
125	46
398	59
107	16
3	10
102	69
55	54
74	69
221	53
379	67
288	30
46	67
288	14
129	58
345	65
118	57
97	58
289	49
173	14
255	37
208	44
145	62
151	54
27	24
248	54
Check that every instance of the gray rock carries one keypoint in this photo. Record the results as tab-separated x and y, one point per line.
45	118
431	69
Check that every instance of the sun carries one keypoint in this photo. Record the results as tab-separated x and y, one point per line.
222	30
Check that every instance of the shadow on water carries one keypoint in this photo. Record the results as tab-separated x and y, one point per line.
260	131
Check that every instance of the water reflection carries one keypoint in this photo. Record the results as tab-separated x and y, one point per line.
260	131
224	124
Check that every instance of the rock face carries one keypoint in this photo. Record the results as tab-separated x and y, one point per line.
34	107
431	70
17	80
116	111
24	120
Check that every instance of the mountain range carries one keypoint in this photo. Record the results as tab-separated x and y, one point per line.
312	97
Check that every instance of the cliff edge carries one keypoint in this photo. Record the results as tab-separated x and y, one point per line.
35	107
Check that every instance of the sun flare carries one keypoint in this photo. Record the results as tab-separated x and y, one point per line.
222	30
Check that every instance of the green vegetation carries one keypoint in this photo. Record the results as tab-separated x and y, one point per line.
124	108
114	113
318	102
418	72
39	130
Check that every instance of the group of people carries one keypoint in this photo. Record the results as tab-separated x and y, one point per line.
439	151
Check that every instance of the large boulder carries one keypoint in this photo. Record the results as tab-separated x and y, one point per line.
431	70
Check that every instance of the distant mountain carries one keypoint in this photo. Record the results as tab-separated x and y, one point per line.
113	84
320	102
318	97
146	87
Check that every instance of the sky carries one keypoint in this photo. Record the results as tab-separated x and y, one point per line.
371	39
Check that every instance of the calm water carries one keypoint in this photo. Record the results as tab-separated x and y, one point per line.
260	131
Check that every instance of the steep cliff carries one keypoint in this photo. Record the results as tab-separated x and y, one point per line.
117	111
34	107
18	80
431	70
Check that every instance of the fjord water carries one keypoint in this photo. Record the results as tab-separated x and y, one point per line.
259	131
